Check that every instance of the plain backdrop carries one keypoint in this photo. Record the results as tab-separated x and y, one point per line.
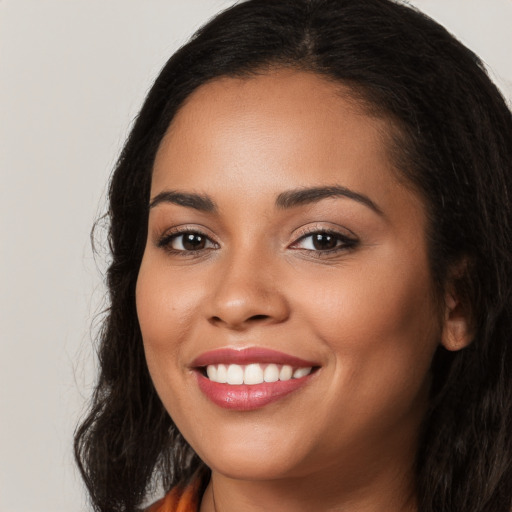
73	74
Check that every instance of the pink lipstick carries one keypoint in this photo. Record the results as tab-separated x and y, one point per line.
250	378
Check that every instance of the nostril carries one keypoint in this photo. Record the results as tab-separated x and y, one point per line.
258	317
239	322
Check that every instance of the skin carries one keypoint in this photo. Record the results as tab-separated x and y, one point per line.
365	312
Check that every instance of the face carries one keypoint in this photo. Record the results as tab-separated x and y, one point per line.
285	257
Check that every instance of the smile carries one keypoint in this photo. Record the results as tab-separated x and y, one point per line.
248	379
255	373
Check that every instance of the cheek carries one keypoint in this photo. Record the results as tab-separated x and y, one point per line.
380	325
381	340
165	304
380	296
165	310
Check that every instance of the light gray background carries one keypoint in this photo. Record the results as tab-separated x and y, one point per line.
73	74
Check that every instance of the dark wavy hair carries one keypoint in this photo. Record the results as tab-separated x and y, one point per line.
453	145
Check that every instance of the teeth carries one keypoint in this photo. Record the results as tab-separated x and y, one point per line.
286	372
271	373
222	374
235	374
255	373
301	372
211	371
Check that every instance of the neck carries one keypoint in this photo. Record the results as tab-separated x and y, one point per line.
338	489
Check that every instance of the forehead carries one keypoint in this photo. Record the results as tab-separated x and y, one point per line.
267	132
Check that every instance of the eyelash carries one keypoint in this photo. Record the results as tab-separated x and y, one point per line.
165	241
344	242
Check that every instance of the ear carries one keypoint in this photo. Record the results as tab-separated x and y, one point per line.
457	332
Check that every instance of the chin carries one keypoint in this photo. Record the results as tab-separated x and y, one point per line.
252	467
253	457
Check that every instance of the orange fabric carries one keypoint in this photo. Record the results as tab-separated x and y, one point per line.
180	499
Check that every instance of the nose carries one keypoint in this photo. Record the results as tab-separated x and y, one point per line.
247	293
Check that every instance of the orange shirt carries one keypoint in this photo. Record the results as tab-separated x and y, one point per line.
180	499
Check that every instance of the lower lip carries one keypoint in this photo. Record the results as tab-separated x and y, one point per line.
246	397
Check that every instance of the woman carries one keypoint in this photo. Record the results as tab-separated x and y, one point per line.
311	279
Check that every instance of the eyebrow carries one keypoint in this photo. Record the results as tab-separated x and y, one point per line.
302	196
285	200
199	202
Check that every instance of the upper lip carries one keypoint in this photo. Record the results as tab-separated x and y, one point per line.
248	356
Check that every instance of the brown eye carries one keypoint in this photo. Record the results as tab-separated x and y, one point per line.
324	241
193	241
189	241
